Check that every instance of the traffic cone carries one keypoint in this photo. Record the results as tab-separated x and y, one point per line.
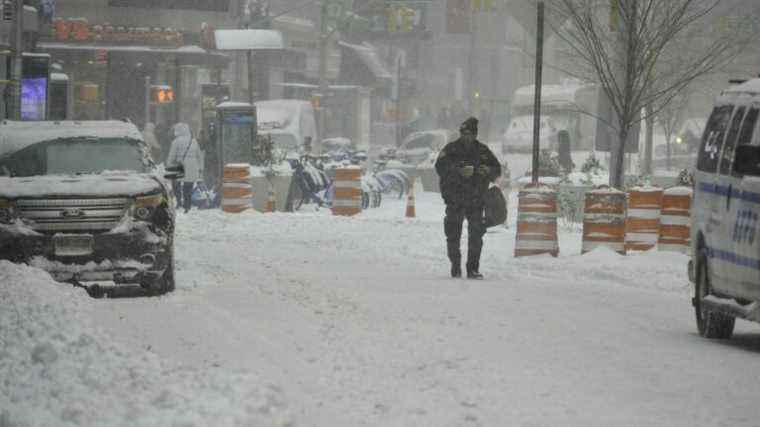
270	205
410	211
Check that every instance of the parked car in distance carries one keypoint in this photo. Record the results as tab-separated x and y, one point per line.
418	146
84	201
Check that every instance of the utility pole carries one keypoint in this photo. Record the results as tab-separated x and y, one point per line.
537	98
322	95
14	110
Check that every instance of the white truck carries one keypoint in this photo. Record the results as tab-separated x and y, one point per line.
289	122
568	106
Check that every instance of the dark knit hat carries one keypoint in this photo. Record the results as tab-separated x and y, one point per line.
470	124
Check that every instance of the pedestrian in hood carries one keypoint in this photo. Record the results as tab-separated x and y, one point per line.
466	167
185	151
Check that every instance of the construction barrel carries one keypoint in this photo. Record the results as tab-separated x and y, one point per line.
604	220
537	222
237	191
347	184
675	220
642	228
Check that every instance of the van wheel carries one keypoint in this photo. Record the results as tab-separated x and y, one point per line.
710	324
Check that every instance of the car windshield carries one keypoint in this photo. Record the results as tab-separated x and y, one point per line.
423	141
75	156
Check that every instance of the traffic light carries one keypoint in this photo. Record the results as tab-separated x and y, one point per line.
8	10
407	19
161	94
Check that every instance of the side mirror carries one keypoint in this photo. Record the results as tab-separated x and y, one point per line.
747	160
174	172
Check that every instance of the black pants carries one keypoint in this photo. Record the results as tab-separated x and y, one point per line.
452	226
183	191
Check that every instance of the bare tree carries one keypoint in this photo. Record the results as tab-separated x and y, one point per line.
670	118
623	45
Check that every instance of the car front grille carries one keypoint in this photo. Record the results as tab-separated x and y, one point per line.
72	215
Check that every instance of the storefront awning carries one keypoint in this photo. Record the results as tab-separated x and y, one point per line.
186	55
240	40
371	58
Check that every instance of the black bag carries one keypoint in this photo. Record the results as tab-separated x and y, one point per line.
495	207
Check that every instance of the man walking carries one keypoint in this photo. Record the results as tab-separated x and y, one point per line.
465	168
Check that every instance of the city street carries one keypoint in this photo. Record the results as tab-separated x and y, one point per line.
356	322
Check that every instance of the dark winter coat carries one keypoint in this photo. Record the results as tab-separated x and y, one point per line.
455	188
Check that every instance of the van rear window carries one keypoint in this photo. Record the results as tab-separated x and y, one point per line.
712	140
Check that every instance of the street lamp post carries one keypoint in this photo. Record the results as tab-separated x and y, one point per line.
14	112
537	98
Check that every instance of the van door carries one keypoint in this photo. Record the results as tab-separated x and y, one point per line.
725	209
706	196
744	219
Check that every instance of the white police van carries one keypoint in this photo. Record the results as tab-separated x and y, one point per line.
725	243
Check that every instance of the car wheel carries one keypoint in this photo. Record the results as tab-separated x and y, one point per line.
709	323
165	283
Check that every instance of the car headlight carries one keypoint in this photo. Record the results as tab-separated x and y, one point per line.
7	212
144	206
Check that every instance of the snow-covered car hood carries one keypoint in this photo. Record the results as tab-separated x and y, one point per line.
102	185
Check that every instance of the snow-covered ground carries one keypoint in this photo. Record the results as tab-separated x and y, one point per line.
308	319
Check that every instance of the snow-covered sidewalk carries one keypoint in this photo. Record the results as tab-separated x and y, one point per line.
316	320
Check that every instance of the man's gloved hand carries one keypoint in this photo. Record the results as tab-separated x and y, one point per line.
467	171
484	170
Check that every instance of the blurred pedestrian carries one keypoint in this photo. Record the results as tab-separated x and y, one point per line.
466	167
185	151
149	135
563	150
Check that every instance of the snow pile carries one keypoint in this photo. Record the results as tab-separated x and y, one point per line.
58	369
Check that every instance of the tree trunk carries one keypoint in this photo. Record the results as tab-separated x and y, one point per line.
667	154
617	160
647	169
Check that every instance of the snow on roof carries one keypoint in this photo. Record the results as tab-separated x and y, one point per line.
118	48
368	54
231	104
249	40
748	89
752	86
15	136
549	93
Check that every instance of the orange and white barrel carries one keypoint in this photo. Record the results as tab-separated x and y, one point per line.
642	227
411	211
347	199
237	191
604	220
675	220
537	222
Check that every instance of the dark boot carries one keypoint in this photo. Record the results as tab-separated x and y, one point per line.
474	274
456	270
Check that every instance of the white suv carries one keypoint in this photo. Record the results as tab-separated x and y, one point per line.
725	265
